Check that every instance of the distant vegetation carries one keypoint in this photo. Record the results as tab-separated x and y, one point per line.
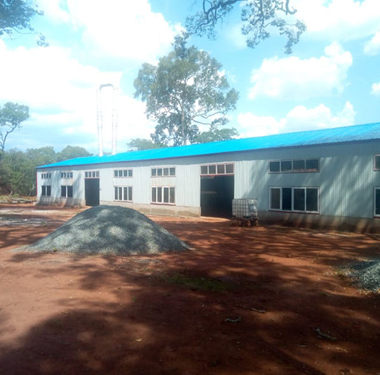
18	168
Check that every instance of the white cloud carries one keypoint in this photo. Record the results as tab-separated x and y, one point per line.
53	10
61	94
339	20
298	119
251	125
376	89
295	78
119	28
373	46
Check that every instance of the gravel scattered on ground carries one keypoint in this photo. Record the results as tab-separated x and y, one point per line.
109	230
366	274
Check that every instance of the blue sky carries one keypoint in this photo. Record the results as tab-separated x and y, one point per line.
331	79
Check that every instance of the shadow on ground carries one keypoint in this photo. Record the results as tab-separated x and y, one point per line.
244	301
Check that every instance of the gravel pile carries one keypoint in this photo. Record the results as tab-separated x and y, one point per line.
109	230
366	274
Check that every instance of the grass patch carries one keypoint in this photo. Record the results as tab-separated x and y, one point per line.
199	283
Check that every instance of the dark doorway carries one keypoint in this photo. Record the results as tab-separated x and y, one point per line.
91	187
217	193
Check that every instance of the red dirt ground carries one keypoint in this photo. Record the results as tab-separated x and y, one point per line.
263	300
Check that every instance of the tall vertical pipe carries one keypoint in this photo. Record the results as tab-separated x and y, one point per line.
114	117
99	120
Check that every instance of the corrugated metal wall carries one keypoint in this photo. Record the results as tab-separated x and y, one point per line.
346	178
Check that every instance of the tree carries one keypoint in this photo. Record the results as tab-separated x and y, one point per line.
11	117
216	135
139	144
258	17
72	152
16	16
186	89
19	173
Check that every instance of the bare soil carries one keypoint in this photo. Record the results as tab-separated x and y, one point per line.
262	300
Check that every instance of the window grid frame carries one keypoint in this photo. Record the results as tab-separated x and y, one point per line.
215	167
158	172
119	193
293	210
305	160
160	192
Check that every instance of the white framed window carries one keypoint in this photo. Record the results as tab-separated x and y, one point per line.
376	200
217	169
45	176
297	199
123	193
46	190
163	194
296	165
163	172
123	173
66	174
91	174
66	191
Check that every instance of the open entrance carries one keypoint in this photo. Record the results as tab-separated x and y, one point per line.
91	188
217	193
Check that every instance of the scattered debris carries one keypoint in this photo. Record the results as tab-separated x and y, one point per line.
324	335
237	320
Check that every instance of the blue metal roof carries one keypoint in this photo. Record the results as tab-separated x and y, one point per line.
355	133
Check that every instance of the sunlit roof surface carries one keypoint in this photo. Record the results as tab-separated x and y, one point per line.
355	133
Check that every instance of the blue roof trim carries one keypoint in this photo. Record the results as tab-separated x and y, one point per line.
354	133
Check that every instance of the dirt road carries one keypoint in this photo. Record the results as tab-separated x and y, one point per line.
263	300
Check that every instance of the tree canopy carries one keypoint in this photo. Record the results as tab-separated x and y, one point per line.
16	16
72	152
11	117
259	17
185	90
138	144
216	135
18	168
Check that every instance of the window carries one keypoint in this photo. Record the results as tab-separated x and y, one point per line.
91	174
297	165
45	176
163	195
298	199
166	172
46	190
376	163
217	169
123	193
123	173
66	191
66	174
286	166
377	201
274	166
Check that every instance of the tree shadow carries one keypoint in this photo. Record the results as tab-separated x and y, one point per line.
131	315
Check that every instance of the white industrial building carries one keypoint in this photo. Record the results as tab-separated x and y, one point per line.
325	177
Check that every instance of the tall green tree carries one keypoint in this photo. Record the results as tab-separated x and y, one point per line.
216	135
11	117
72	152
139	144
186	89
16	17
19	174
259	18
